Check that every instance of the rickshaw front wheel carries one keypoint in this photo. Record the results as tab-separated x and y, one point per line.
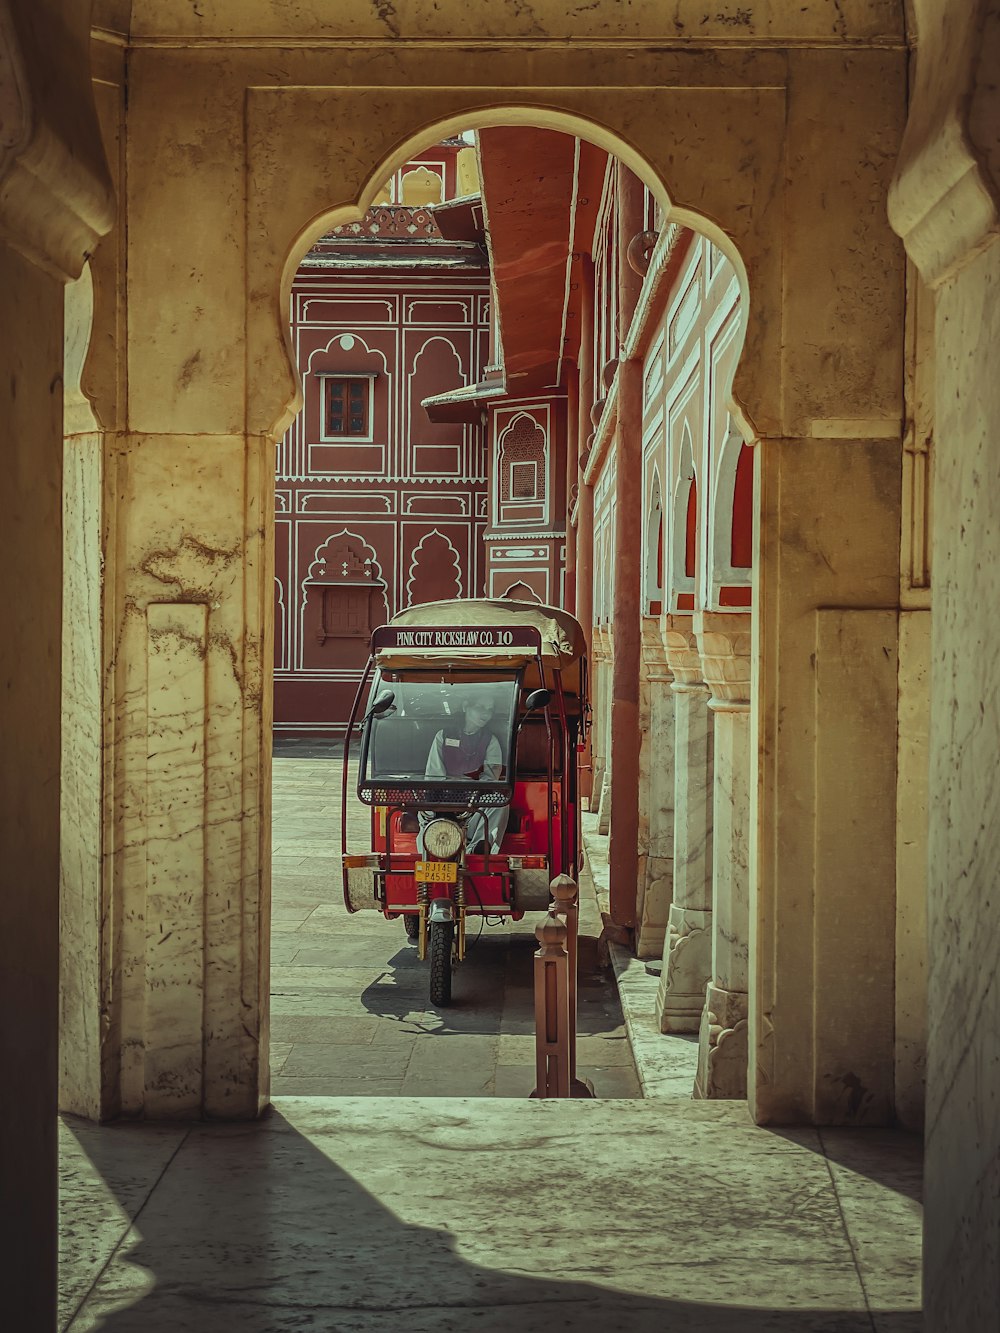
442	934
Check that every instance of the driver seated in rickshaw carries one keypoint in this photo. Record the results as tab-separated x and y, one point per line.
467	748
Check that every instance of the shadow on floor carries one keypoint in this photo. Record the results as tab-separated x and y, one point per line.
492	990
252	1228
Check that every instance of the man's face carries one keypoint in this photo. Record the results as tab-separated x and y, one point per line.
478	713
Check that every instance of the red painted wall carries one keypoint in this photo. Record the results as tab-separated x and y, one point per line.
365	528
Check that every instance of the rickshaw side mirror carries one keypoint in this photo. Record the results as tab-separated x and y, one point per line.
381	705
537	699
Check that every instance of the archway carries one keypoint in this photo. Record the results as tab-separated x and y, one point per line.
214	439
525	406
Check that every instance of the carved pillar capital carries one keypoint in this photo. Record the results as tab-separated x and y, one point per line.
56	197
654	651
943	201
682	652
724	649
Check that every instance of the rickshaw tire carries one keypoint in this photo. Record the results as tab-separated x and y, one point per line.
441	936
411	924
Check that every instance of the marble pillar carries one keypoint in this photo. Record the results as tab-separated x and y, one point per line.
55	201
724	643
602	730
687	955
656	793
945	204
598	660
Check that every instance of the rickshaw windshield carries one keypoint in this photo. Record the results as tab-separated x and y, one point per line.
446	734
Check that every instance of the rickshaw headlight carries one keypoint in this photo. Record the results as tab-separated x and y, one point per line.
442	839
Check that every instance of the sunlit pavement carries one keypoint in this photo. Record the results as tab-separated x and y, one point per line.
406	1215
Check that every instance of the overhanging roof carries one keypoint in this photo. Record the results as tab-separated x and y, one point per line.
541	192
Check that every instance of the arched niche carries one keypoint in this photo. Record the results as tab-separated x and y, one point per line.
421	186
653	560
522	460
682	570
729	551
435	573
343	600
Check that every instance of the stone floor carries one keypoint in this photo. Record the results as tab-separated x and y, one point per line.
407	1215
440	1214
666	1065
350	1011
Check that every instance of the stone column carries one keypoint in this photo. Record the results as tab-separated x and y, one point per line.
724	641
656	793
598	661
603	720
584	599
687	956
623	853
55	201
945	203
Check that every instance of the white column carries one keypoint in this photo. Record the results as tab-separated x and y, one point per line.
603	797
724	641
687	956
656	794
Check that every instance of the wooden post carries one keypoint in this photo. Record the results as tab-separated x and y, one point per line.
552	1045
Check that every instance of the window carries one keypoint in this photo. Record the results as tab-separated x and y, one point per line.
347	408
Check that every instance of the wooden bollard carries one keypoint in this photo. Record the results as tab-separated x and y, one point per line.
566	903
552	1030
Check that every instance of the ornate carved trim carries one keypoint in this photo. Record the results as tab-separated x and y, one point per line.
682	652
724	648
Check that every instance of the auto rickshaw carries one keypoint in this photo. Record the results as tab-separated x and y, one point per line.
471	714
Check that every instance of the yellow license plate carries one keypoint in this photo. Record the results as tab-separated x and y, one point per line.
436	872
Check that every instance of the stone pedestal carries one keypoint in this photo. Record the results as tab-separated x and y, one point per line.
724	641
656	794
687	957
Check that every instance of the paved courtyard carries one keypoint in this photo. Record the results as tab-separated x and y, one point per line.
350	1009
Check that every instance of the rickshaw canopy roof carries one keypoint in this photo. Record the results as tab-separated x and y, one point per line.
562	639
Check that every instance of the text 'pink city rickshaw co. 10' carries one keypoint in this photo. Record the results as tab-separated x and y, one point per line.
472	715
